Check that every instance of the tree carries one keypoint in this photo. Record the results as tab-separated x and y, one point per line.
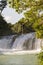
32	16
21	5
40	58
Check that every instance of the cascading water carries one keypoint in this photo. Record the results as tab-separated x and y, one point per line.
19	42
24	42
5	42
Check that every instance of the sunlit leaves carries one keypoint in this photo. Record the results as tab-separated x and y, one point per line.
33	20
21	5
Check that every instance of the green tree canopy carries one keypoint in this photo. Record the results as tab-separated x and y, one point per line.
32	18
20	5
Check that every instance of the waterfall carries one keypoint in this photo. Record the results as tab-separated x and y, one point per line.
24	42
6	42
20	42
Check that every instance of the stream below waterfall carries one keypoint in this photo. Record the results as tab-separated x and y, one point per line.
19	49
26	59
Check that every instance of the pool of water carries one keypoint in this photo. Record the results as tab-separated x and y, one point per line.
26	59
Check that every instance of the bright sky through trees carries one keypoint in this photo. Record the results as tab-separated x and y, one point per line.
11	16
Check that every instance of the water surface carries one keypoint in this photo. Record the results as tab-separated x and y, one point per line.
26	59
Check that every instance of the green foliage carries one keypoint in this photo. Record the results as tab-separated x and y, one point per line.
21	5
33	21
22	26
26	25
29	25
40	58
16	28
